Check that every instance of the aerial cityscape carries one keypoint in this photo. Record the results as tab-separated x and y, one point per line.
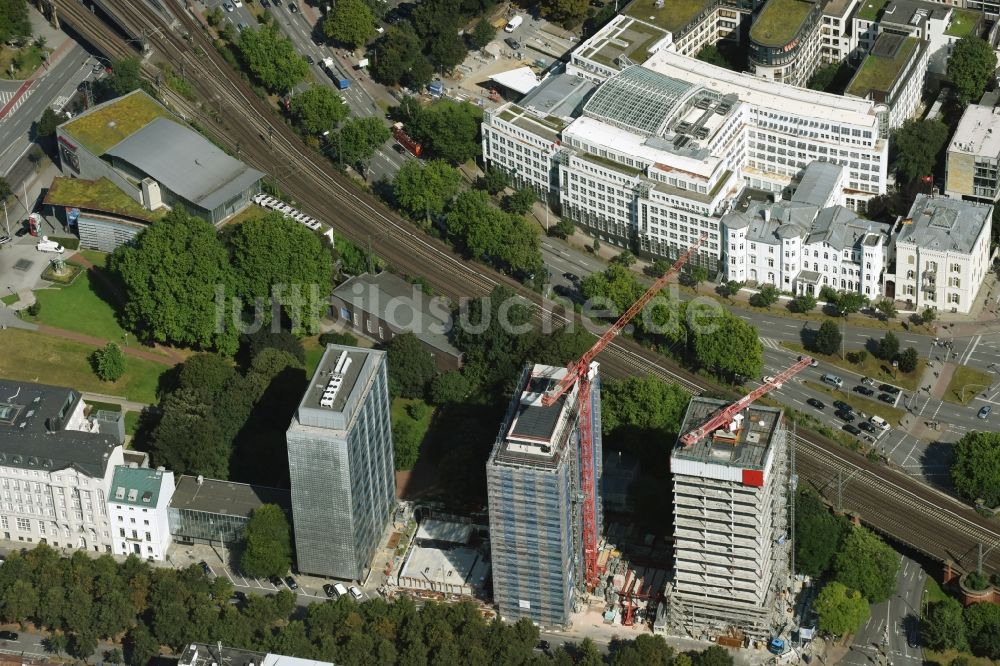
433	332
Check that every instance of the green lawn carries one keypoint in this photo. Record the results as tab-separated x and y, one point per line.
25	60
99	259
963	21
9	299
876	368
870	9
84	306
35	357
779	21
860	404
932	591
972	380
413	445
131	422
672	16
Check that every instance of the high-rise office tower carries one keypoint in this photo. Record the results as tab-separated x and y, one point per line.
536	501
341	464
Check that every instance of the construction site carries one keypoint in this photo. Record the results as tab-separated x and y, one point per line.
725	572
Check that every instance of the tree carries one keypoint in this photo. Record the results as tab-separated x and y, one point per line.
5	190
818	534
425	189
715	655
982	629
396	50
942	627
318	109
336	338
888	346
410	366
268	545
828	338
171	274
824	77
520	202
506	241
928	316
285	265
139	646
481	35
970	68
623	258
564	228
886	308
15	25
975	470
108	363
918	143
189	438
848	302
206	374
271	58
639	413
350	22
494	180
867	564
57	643
48	123
803	303
908	360
126	76
566	12
766	295
359	138
419	74
729	346
447	51
449	129
450	387
841	610
253	344
712	55
406	440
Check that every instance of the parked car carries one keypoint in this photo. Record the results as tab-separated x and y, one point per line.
328	590
812	363
46	245
886	398
275	580
292	585
863	390
355	592
513	43
8	635
237	3
868	381
849	417
543	646
310	60
204	567
879	422
889	388
851	429
818	404
984	413
867	427
240	596
293	8
242	26
228	6
833	380
842	406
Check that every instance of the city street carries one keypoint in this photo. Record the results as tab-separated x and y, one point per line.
891	634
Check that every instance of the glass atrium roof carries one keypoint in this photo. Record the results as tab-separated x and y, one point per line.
638	99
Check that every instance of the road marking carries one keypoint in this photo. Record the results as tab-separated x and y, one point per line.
771	343
964	359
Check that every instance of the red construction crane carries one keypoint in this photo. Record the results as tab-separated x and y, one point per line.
577	371
725	415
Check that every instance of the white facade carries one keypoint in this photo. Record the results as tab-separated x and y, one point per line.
974	155
56	464
942	253
902	61
137	506
793	60
838	40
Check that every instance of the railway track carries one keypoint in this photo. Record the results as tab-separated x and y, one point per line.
887	500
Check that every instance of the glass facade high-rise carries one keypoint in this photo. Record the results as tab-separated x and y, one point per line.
341	464
535	500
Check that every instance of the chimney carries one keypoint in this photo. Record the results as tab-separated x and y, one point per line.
151	196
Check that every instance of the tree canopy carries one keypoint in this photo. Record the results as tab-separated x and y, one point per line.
318	109
47	124
841	610
505	241
975	470
918	143
424	189
272	58
409	365
828	338
729	346
867	564
970	67
14	22
268	543
350	22
359	138
818	534
109	362
566	12
943	627
448	129
642	412
126	76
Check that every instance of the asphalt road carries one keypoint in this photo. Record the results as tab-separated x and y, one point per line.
54	89
887	636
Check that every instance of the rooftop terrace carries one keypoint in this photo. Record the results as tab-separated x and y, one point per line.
780	21
100	195
107	124
882	66
869	9
746	447
963	22
672	16
626	36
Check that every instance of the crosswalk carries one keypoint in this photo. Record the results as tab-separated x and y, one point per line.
6	107
772	343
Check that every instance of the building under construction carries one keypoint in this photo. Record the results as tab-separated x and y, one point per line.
731	552
536	499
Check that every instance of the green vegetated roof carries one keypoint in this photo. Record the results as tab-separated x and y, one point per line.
879	73
632	39
870	9
611	164
104	126
672	16
97	195
779	21
962	22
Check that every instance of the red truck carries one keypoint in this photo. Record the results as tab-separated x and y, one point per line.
404	139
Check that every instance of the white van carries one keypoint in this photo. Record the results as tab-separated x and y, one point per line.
833	380
513	24
339	590
879	422
46	245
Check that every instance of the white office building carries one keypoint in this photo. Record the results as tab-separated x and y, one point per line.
838	39
57	459
892	76
942	254
138	508
974	154
806	243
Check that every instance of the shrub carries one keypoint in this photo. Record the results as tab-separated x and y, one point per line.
109	363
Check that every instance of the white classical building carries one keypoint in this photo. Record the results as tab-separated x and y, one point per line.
806	243
57	457
138	507
942	253
653	156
